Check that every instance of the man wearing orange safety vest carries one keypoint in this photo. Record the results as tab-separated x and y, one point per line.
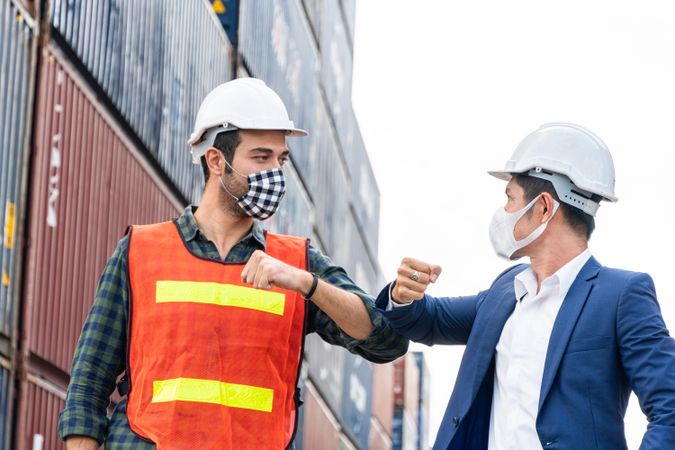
206	314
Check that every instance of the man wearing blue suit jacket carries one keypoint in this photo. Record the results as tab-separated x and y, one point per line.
554	348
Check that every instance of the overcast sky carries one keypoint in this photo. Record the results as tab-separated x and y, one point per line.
446	90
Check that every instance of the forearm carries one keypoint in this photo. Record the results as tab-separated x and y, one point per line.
344	308
81	443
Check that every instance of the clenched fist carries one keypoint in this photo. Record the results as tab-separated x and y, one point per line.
413	278
263	272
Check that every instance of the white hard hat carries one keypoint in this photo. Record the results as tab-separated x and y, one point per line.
575	160
240	104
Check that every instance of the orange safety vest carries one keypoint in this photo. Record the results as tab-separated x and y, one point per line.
213	363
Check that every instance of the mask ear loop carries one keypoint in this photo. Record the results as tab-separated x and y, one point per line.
220	178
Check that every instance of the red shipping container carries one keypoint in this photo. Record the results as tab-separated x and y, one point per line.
383	398
320	429
40	402
406	385
379	439
88	183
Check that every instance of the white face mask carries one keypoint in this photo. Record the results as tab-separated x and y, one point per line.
503	225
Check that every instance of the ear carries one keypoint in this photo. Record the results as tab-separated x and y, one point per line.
214	159
547	206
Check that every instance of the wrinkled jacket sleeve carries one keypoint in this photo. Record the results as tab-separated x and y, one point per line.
648	356
433	320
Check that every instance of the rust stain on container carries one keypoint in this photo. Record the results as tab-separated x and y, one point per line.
87	185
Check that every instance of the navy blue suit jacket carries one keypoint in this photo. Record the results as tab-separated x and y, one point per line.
609	338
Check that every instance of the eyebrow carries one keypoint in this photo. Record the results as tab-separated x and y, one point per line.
268	151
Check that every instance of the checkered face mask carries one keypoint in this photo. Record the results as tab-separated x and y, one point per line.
265	191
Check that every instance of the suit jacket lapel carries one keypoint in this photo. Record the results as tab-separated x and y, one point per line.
564	323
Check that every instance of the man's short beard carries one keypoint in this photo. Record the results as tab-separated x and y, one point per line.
229	203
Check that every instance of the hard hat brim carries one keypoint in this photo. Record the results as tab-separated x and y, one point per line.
502	175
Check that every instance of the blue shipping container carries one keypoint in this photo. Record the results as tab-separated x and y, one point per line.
17	35
357	399
336	70
156	61
277	46
325	367
5	404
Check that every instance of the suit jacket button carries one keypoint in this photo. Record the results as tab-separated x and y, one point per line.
455	421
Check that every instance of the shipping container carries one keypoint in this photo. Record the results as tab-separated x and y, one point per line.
88	184
365	192
336	70
277	46
406	385
379	439
6	393
325	364
423	406
349	14
321	430
357	399
302	385
347	444
17	39
383	398
155	62
295	215
404	434
313	12
329	186
40	401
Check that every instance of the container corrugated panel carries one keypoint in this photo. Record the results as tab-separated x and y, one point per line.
379	439
17	33
349	13
423	407
88	184
406	385
5	403
156	61
302	384
359	263
295	214
277	46
423	427
325	364
329	185
313	11
336	69
383	398
320	429
39	405
404	436
357	399
365	192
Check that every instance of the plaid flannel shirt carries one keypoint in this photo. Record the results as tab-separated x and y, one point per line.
100	356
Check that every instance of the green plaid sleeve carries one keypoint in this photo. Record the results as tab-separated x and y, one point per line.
383	344
99	357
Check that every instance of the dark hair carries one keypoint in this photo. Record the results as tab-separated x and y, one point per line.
582	223
226	142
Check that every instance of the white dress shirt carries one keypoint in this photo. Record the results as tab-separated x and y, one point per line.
521	354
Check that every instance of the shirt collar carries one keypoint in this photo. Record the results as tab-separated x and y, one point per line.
190	229
525	282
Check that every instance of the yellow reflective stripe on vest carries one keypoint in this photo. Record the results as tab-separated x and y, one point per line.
213	391
221	295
